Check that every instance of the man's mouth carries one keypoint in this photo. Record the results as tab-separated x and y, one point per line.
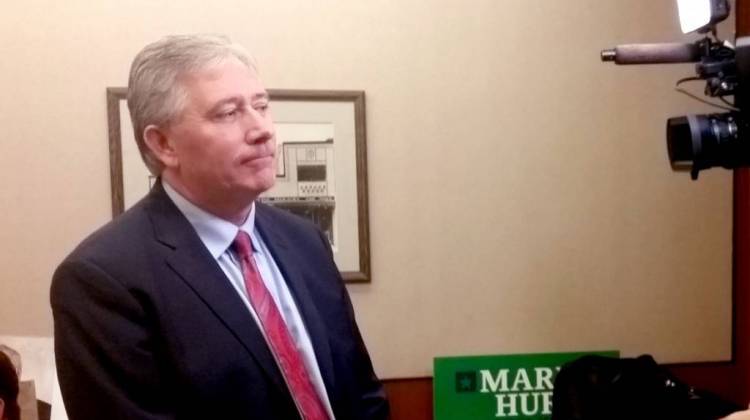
259	159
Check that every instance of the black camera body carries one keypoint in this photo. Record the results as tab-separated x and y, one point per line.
697	142
702	141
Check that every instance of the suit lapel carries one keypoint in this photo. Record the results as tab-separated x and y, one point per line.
290	268
192	262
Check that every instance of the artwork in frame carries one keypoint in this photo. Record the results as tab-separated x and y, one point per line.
321	167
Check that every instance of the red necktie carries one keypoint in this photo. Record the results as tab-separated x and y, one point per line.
279	340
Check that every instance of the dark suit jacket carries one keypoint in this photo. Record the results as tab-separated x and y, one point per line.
148	327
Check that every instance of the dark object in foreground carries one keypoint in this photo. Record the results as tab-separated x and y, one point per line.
603	388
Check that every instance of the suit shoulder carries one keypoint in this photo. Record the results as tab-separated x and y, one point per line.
118	253
115	237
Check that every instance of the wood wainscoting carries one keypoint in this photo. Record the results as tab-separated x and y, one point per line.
410	399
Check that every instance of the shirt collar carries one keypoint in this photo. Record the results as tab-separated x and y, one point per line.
216	233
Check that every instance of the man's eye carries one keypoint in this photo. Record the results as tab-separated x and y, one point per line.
228	114
261	107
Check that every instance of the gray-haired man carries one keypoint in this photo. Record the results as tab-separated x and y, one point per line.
199	302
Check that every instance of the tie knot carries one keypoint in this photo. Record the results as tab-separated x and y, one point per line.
243	245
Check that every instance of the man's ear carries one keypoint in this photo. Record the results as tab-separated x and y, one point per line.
160	145
2	409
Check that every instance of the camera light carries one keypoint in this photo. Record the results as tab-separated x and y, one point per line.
699	15
694	14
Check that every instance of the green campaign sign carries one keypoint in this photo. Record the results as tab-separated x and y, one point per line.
517	386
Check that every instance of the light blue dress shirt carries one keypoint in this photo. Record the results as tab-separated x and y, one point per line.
217	235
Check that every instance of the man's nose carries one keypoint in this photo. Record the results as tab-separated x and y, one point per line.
258	127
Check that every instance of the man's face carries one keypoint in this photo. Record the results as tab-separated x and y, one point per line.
224	140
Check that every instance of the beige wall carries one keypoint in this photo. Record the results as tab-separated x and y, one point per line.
520	195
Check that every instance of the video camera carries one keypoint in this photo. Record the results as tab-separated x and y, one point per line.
697	142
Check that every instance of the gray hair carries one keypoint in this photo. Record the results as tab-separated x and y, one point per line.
155	94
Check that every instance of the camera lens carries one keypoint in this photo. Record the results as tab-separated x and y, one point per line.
680	143
697	142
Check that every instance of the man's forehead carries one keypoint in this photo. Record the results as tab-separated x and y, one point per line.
224	81
237	99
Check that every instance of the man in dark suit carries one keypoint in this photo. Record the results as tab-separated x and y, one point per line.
198	302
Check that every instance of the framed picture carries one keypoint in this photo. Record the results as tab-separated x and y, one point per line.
321	167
